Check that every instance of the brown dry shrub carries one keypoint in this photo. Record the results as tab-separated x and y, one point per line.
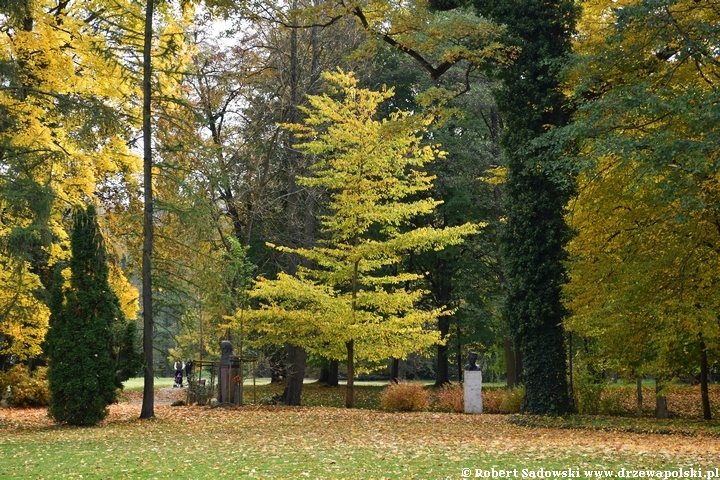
450	398
405	397
492	399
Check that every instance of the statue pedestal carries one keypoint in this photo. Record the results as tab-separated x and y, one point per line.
224	383
473	391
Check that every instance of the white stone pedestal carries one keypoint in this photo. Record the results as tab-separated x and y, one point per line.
473	391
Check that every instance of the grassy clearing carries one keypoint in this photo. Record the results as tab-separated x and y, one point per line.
138	383
675	426
327	442
284	442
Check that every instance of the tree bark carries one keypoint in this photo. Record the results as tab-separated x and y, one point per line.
296	361
639	396
661	410
297	356
707	413
148	404
510	364
442	373
329	374
395	370
350	389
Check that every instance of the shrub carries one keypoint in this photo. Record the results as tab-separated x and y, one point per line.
614	401
199	393
90	345
512	400
404	397
20	388
450	398
492	399
589	396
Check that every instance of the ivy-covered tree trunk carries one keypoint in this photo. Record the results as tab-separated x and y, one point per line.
87	330
533	249
537	191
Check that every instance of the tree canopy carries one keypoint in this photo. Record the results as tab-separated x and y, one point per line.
583	140
350	299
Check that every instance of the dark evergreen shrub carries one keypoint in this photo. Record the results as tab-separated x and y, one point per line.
90	344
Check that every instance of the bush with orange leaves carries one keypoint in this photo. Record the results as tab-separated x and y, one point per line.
405	397
450	398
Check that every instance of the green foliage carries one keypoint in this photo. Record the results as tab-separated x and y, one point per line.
589	396
512	400
405	397
128	358
537	188
91	348
21	388
645	261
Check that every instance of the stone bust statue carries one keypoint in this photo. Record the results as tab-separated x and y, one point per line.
472	359
226	350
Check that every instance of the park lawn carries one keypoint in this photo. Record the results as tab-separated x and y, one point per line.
138	383
320	442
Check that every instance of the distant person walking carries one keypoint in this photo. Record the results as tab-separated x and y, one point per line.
178	374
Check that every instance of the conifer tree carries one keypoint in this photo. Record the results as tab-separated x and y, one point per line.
90	344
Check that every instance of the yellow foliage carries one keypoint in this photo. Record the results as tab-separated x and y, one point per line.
371	169
23	318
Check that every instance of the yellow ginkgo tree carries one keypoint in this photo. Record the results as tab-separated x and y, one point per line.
351	300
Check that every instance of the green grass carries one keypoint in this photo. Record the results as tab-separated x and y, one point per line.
665	426
289	443
138	383
322	441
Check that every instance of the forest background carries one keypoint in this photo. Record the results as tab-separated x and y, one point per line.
627	172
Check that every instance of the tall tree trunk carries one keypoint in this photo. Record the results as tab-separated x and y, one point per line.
297	356
395	370
458	354
442	373
350	389
661	410
329	374
148	404
707	413
296	361
510	364
639	396
535	232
